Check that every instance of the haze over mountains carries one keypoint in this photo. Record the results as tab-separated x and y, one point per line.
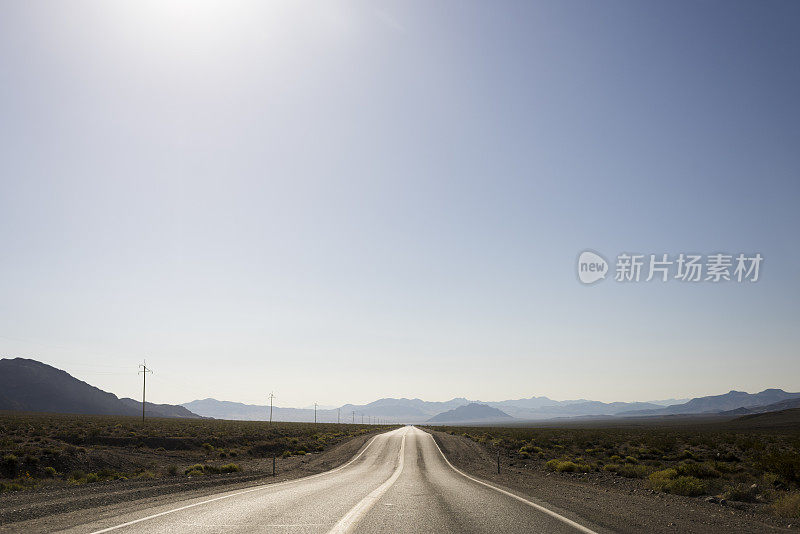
29	385
416	411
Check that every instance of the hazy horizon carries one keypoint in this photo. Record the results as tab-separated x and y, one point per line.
354	202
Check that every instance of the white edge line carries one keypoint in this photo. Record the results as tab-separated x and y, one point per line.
257	488
547	511
352	517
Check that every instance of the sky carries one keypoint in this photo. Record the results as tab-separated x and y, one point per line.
343	201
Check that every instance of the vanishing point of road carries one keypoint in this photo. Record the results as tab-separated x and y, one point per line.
398	482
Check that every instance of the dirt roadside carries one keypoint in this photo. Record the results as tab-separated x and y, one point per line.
47	509
615	503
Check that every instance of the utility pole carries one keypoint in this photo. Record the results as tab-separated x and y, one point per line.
143	371
354	417
338	416
271	396
315	413
362	418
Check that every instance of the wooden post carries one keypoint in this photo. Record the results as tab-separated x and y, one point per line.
498	461
274	473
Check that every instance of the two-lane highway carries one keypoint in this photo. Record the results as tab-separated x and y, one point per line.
399	482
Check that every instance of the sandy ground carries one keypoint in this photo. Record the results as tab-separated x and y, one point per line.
616	503
42	509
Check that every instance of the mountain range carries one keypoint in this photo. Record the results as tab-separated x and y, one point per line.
415	411
32	386
29	385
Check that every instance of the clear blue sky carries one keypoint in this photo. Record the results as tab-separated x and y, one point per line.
345	201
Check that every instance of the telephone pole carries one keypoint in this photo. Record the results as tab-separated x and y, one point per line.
271	396
338	416
354	417
143	371
315	413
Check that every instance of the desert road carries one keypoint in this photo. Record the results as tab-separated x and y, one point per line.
398	482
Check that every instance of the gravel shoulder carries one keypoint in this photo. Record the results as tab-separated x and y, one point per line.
611	502
55	508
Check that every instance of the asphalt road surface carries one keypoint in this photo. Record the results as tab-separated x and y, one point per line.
399	482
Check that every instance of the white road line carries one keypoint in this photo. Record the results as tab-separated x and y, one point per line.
257	488
547	511
352	517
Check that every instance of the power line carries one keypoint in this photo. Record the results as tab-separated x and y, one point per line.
271	396
143	371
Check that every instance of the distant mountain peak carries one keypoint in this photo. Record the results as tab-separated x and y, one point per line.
472	412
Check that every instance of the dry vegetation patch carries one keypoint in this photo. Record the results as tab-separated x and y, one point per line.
56	449
755	466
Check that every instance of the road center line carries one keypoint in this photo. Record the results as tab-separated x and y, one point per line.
570	522
257	488
352	517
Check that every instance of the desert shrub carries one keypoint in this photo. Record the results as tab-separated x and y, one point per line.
785	464
92	477
698	470
50	472
195	470
108	474
633	471
787	505
741	492
611	468
660	480
568	466
687	486
11	486
530	448
172	470
10	465
77	476
230	468
631	460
